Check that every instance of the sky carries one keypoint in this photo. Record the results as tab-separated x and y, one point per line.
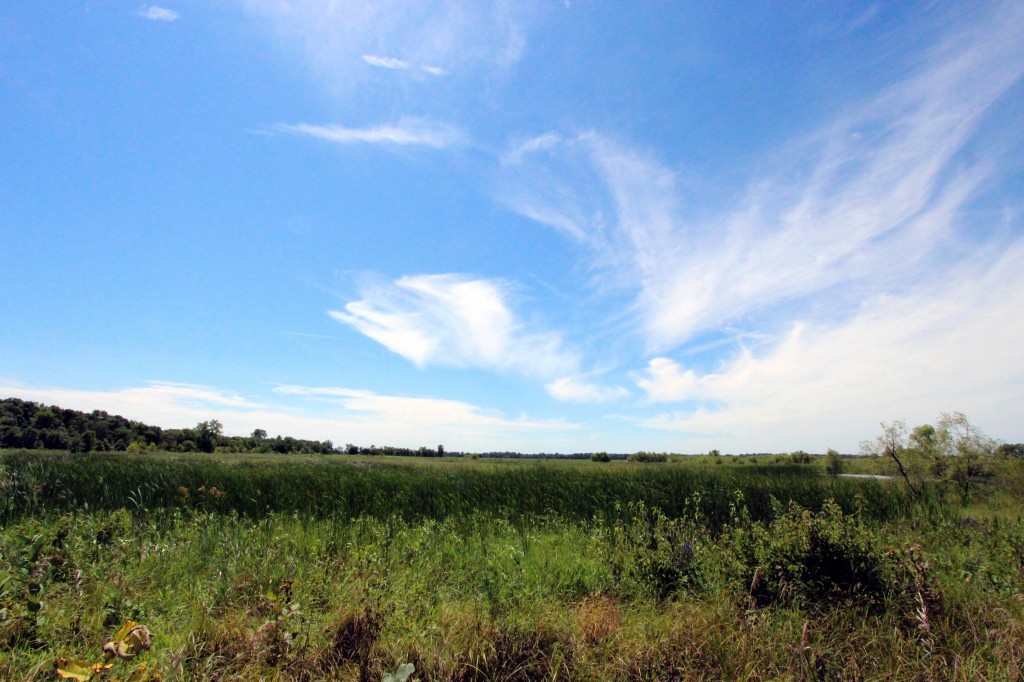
534	226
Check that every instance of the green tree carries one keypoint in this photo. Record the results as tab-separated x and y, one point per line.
208	435
800	457
892	444
833	465
924	445
953	450
969	451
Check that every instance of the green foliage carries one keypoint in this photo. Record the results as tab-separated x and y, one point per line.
636	592
651	552
648	457
954	451
255	487
600	457
833	464
811	559
800	457
29	425
1010	450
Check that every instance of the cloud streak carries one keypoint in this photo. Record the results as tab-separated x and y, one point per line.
435	38
407	132
157	13
867	203
455	321
396	64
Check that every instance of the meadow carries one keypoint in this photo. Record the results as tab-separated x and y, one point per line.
249	567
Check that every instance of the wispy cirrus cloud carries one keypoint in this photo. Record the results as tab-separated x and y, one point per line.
395	64
865	204
435	38
455	321
157	13
407	132
386	62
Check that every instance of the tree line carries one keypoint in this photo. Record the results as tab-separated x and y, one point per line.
33	426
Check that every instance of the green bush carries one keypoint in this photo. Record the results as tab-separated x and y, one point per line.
811	559
648	457
651	552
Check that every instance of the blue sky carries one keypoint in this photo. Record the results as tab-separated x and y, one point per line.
526	226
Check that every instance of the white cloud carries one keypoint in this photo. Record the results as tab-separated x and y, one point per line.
576	390
865	205
666	381
435	38
171	405
414	413
952	344
386	62
156	13
546	142
396	64
455	321
408	131
338	414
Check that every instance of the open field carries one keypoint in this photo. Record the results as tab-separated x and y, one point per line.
258	567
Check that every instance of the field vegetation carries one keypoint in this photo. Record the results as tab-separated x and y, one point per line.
248	566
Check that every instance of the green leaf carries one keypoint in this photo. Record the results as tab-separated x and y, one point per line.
402	674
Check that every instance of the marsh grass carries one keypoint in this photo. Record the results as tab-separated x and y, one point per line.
36	483
620	573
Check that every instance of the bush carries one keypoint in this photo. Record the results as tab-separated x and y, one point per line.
600	457
800	457
833	465
648	457
653	552
811	559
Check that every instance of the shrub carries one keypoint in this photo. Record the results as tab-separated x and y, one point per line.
833	465
600	457
653	551
648	457
800	457
811	559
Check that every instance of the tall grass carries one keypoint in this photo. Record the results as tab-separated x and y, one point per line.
480	597
34	483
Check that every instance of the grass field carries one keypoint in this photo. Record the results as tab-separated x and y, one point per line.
245	567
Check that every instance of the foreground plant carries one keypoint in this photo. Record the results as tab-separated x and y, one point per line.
129	641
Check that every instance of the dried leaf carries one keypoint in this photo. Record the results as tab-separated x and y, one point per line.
129	641
73	669
77	669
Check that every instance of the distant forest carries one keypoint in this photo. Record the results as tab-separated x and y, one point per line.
35	426
29	425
